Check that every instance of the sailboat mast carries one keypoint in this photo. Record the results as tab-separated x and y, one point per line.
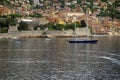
74	20
87	21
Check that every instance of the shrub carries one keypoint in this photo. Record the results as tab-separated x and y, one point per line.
23	26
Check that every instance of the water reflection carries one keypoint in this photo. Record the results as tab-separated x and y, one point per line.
56	59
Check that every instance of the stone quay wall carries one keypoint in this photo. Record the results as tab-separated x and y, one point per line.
43	33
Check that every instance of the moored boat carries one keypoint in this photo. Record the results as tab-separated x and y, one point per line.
84	41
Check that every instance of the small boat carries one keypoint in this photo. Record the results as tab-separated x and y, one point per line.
84	41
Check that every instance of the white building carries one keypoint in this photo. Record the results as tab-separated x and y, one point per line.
74	14
36	2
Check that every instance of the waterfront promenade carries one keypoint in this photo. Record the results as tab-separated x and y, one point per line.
55	33
43	33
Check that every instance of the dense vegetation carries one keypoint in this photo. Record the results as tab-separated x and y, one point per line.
23	26
110	8
3	25
53	26
8	20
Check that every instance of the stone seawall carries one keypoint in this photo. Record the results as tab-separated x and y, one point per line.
42	33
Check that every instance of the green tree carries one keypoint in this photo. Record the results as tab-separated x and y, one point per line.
11	20
3	23
72	6
79	1
3	26
31	2
36	15
66	26
51	26
23	26
111	10
36	27
83	24
13	16
6	2
60	26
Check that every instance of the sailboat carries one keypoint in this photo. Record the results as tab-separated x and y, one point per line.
86	41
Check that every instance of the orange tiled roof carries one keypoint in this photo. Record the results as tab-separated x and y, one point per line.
4	10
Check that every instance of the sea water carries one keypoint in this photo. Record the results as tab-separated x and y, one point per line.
57	59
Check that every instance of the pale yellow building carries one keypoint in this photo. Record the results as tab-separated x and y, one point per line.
61	21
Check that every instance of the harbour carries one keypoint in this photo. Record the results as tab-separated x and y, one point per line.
57	59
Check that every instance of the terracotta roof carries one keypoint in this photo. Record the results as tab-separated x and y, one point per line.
4	10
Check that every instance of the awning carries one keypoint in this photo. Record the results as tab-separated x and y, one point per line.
27	20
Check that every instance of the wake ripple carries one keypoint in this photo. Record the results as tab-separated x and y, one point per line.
24	50
111	59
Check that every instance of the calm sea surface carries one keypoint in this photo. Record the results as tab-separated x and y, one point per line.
56	59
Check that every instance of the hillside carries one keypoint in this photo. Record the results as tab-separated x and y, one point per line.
105	8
